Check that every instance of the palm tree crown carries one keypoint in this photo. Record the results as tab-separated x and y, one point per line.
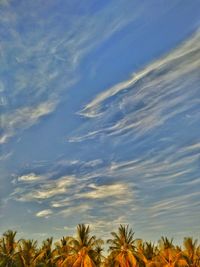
85	250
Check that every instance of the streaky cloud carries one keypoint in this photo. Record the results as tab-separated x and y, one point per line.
79	209
44	63
23	118
149	100
181	61
104	191
31	177
44	189
44	213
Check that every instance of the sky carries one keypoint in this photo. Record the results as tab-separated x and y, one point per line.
100	110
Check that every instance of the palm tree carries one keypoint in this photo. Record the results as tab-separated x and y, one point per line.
86	251
83	253
45	256
122	248
27	252
192	251
148	253
166	243
171	256
8	249
97	254
62	250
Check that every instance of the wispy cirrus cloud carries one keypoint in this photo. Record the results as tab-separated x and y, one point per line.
178	63
103	227
44	213
79	209
66	193
107	192
31	177
43	63
149	99
104	191
23	118
43	190
4	137
161	171
6	156
178	204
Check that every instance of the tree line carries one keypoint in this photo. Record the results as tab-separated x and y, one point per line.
86	250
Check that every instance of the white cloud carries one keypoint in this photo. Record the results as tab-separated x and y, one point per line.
51	59
174	58
27	116
4	138
149	99
42	191
6	156
163	168
44	213
75	210
189	148
61	203
31	177
103	226
105	191
24	118
93	163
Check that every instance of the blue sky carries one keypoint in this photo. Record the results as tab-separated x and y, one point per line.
100	108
